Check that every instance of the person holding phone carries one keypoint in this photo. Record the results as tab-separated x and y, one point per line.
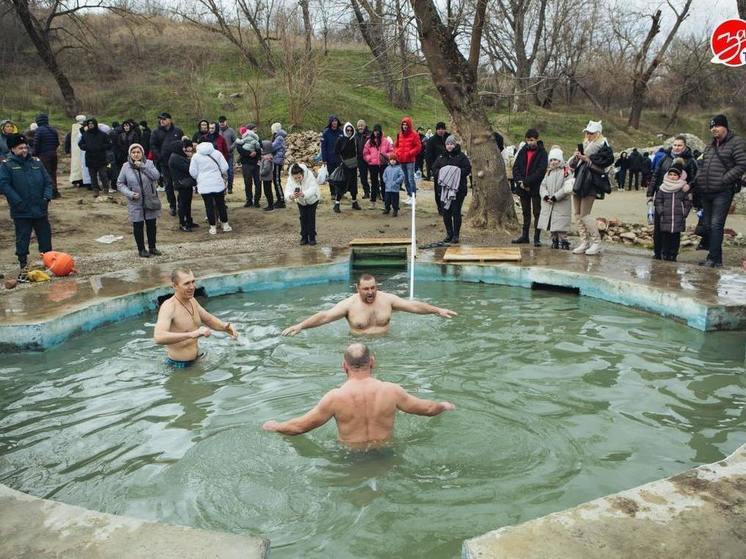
302	187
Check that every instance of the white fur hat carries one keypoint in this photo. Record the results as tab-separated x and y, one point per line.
556	153
80	119
593	126
276	127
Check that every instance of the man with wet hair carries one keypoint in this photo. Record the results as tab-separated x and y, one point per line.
363	407
180	322
368	311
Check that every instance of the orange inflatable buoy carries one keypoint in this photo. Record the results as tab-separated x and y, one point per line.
59	263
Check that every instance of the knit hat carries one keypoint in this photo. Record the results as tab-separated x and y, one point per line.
275	128
677	166
16	140
556	153
242	130
719	120
80	119
451	140
594	127
532	133
133	146
440	126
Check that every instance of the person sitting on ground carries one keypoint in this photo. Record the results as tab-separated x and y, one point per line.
364	407
393	178
556	204
368	311
180	322
303	188
672	205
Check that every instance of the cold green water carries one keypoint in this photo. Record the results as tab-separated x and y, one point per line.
560	399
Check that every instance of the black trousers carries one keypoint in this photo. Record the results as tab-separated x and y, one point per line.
139	227
307	216
350	184
391	199
436	190
215	204
276	180
670	245
99	173
49	160
529	202
716	207
251	183
452	214
330	167
362	169
268	193
184	201
657	246
634	176
40	226
376	182
168	184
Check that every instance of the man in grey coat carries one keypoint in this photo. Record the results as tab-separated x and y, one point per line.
718	179
229	135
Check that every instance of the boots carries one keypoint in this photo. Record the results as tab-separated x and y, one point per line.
523	239
537	237
355	205
590	223
555	242
584	243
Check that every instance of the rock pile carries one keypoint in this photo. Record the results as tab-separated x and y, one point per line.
302	147
614	231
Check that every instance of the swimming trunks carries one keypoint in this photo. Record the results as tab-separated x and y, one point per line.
183	364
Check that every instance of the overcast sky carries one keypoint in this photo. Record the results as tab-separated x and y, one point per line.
705	13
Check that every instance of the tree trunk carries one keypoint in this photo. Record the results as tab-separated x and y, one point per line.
492	202
45	52
307	25
404	97
638	103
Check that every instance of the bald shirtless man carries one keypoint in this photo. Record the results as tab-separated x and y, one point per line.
180	320
368	311
363	407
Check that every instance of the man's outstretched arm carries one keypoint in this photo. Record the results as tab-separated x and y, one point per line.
322	317
320	414
418	406
419	307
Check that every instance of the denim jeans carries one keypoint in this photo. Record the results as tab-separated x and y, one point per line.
716	206
230	172
409	182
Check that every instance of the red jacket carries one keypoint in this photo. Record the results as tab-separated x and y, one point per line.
407	145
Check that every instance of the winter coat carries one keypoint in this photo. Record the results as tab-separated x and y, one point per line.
665	163
95	143
459	159
346	147
407	145
207	167
713	176
278	145
635	161
244	152
372	154
76	154
217	141
46	138
393	178
436	146
308	186
178	164
361	139
145	138
672	209
250	142
265	162
657	158
589	178
622	163
329	143
558	215
123	142
165	141
26	185
229	135
534	174
4	150
141	181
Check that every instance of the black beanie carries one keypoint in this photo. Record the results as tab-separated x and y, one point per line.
532	133
719	120
16	140
677	166
440	126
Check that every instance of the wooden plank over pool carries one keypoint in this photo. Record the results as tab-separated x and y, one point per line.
482	254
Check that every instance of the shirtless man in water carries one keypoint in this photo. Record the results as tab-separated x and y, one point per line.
368	311
180	322
363	407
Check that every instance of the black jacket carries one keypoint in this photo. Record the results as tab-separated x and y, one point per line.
635	161
178	164
164	142
588	178
536	171
123	141
46	139
96	144
145	138
714	176
665	163
623	164
459	159
360	140
346	148
436	146
244	156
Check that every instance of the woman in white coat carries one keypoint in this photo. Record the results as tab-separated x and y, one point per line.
556	200
208	167
76	162
304	189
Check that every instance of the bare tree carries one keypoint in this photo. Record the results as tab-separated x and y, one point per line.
456	80
299	67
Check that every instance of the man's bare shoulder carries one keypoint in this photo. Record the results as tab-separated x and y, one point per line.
386	297
167	307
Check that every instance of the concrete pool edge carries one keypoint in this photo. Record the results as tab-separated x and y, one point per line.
684	516
35	527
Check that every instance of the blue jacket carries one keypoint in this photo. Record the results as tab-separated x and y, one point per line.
329	139
26	185
393	177
46	139
278	144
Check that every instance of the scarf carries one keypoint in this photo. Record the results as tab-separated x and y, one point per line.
672	186
591	148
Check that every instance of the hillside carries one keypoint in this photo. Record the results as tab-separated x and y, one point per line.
194	74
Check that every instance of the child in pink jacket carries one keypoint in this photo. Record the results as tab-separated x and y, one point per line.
376	154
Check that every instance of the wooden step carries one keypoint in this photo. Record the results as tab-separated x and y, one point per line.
482	254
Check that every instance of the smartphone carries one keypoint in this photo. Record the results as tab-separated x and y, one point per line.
580	148
297	190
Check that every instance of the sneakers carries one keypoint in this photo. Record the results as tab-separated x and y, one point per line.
336	208
213	230
582	247
185	228
144	254
23	274
112	191
160	189
408	201
155	252
227	228
269	208
595	248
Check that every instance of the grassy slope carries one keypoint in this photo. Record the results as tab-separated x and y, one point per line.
168	81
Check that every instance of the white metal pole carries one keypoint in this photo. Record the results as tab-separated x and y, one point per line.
413	249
